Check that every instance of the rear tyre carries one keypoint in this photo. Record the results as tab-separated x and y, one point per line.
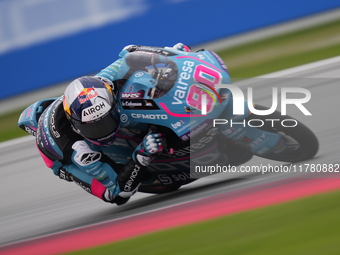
302	143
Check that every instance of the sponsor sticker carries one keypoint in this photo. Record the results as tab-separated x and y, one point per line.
87	94
95	111
130	95
139	104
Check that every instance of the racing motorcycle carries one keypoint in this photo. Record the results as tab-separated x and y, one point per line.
181	98
170	97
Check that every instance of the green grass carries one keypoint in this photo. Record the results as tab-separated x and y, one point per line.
308	226
252	60
9	126
283	51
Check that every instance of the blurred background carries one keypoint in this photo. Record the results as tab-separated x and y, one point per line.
46	43
43	42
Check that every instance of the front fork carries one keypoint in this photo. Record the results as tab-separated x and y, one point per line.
246	132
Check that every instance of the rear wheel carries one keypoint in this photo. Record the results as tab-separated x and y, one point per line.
301	142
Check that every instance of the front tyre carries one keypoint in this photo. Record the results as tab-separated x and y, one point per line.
160	189
302	144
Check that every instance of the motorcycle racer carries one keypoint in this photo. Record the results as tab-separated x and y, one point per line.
73	131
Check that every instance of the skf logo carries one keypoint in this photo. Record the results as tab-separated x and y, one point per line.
87	94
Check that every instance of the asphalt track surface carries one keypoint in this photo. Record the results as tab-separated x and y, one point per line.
36	203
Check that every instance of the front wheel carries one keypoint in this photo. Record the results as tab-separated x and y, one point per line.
301	142
160	189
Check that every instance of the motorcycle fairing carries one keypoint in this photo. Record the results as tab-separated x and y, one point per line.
174	107
28	120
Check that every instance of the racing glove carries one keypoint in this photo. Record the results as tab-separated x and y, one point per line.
146	151
181	47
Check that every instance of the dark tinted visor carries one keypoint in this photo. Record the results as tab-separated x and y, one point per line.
100	128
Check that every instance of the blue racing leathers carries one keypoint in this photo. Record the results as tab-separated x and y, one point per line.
73	158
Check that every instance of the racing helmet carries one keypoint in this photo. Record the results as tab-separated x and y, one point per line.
91	108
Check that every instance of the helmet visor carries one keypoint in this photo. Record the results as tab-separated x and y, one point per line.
99	128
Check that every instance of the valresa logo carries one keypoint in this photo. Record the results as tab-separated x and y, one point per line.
177	124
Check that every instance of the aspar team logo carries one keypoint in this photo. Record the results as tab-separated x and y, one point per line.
87	94
204	88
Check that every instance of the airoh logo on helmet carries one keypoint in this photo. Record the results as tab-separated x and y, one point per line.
95	111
